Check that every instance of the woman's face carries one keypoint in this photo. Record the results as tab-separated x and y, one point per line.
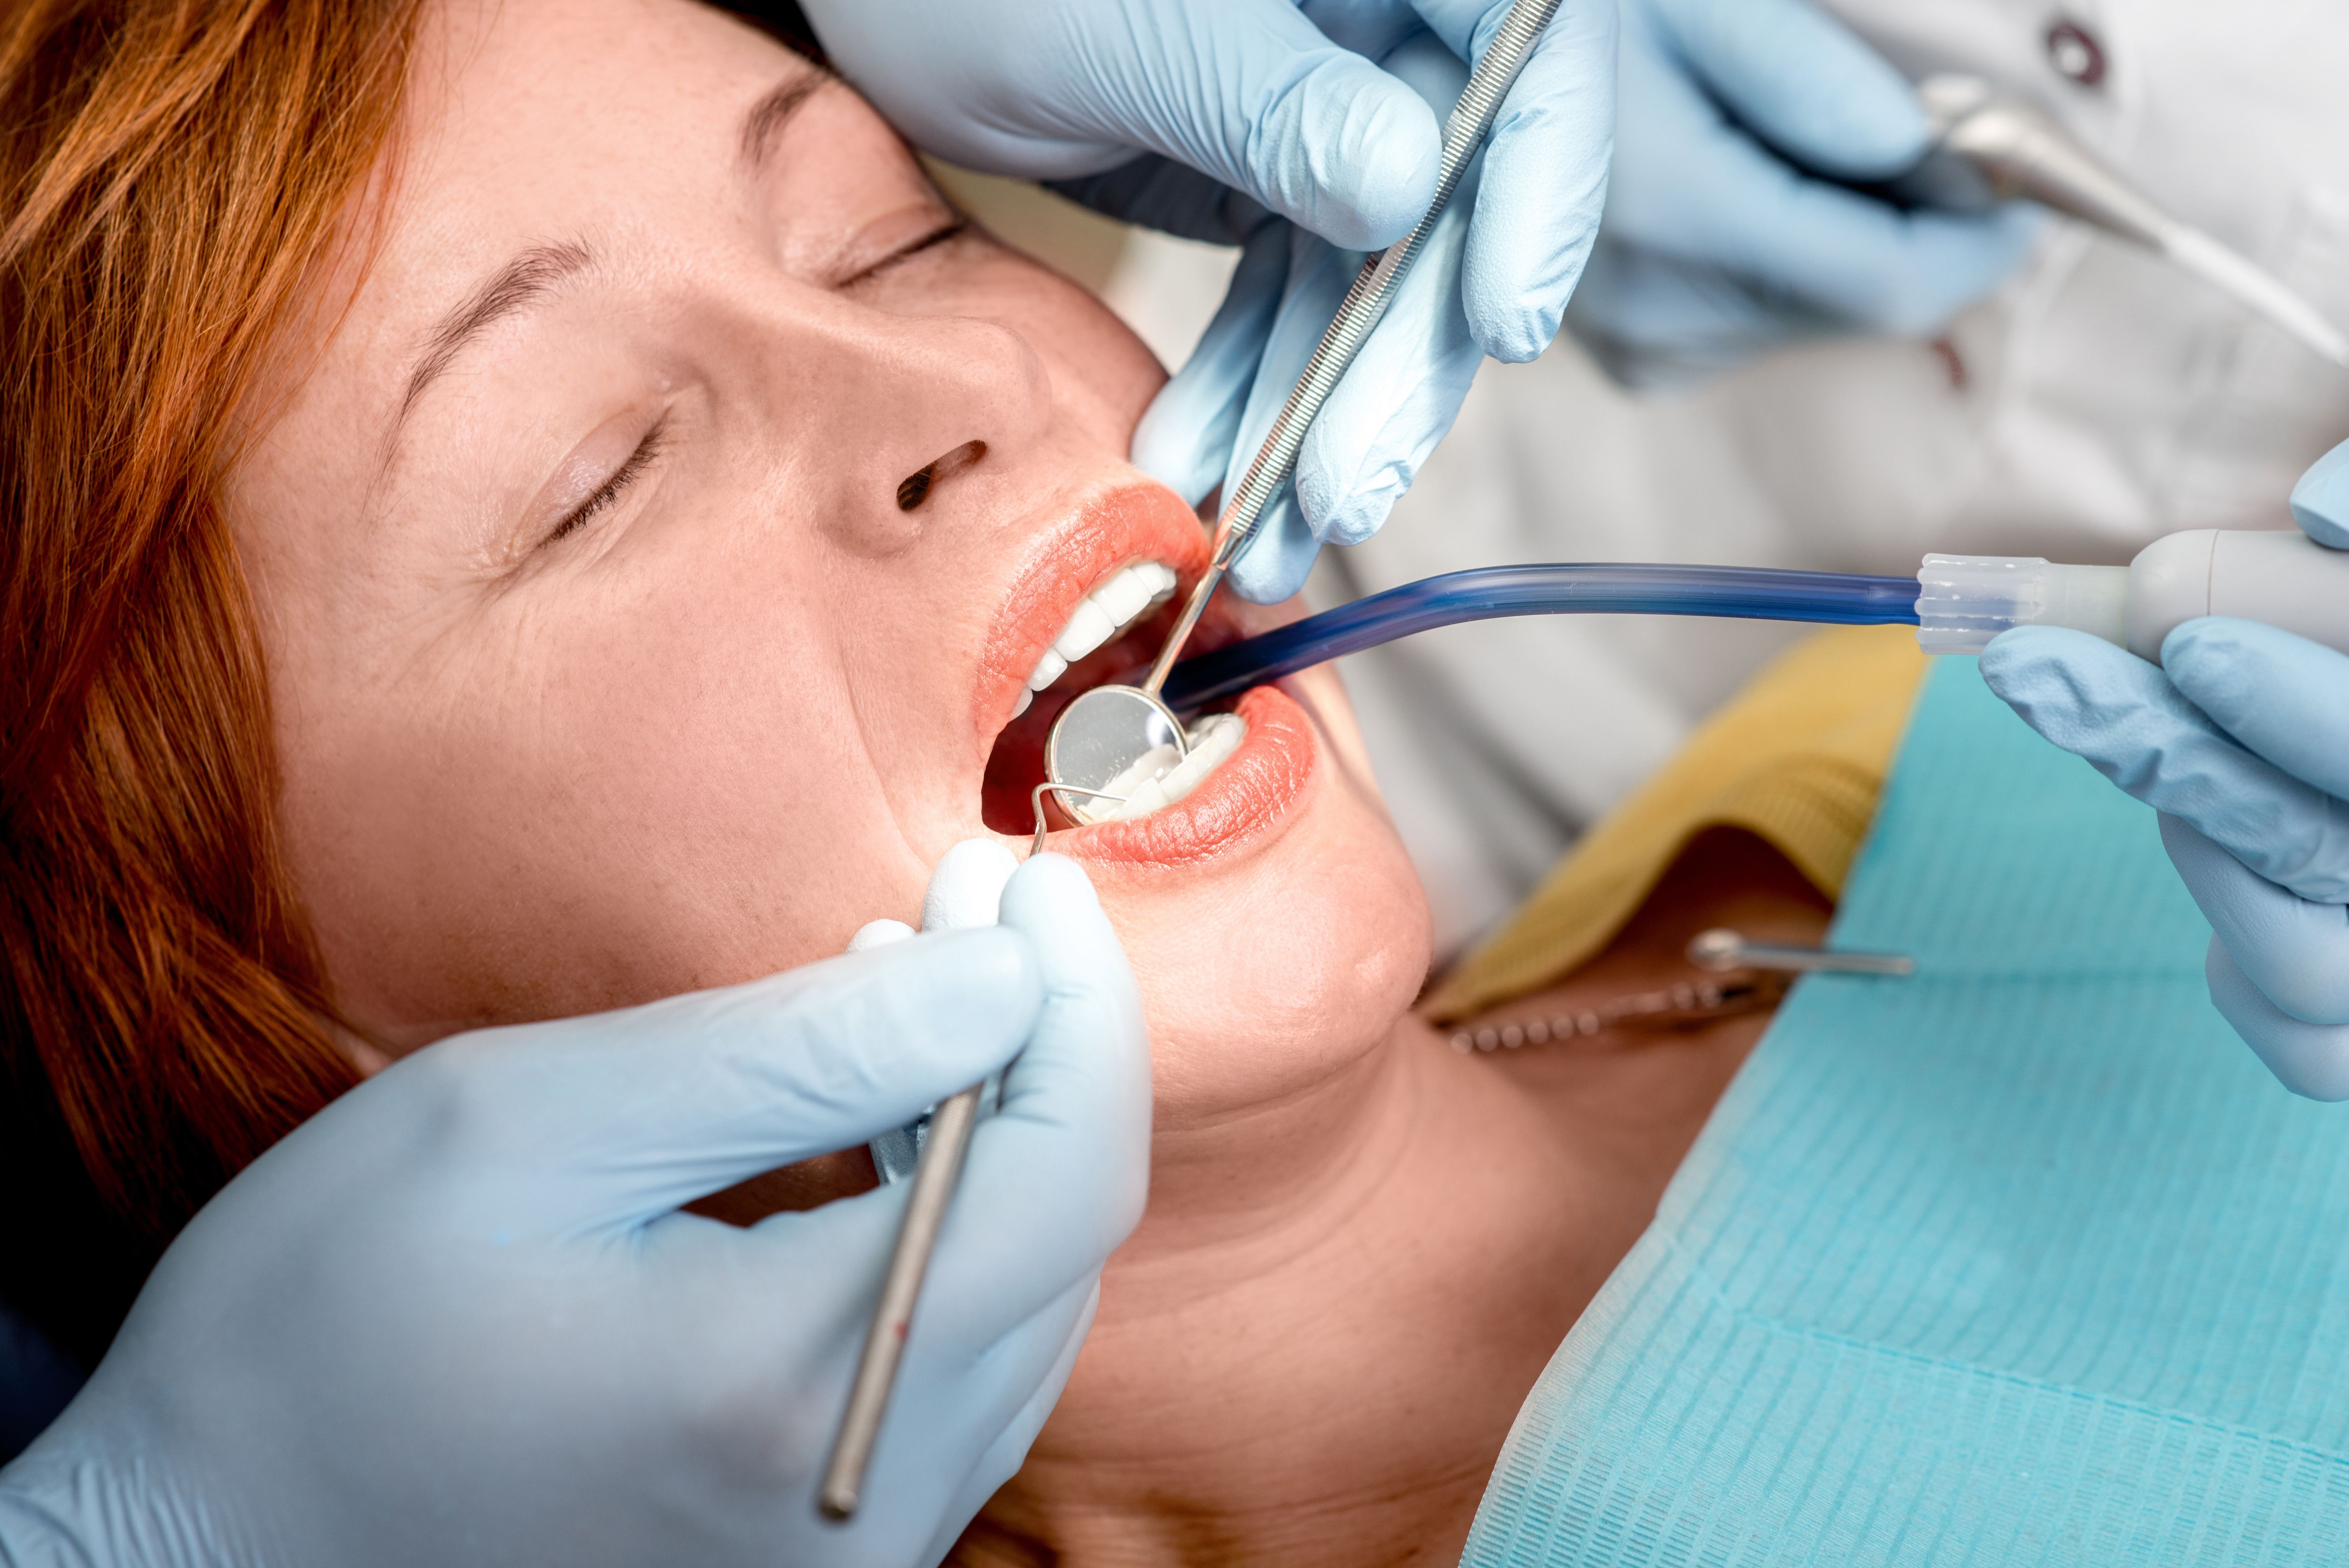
609	657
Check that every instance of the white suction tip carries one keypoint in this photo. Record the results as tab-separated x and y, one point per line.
1964	601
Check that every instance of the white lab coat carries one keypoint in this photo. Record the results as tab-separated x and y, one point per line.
2100	401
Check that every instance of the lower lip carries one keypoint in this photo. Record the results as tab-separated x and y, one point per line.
1237	803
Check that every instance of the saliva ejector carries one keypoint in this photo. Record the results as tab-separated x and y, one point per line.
2281	577
1957	603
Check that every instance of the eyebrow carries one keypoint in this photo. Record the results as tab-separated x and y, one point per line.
763	126
535	274
520	283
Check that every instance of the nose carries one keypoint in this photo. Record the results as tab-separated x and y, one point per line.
907	411
916	487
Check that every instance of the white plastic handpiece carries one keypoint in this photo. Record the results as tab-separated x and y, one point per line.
2281	577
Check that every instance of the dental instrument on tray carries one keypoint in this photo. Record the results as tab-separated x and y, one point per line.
1958	603
1752	976
1109	736
1722	950
1989	148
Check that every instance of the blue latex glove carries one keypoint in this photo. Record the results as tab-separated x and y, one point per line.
2240	738
1251	115
458	1318
1249	93
1724	236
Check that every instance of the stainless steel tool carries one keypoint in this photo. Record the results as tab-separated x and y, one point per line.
1989	148
944	1149
1722	950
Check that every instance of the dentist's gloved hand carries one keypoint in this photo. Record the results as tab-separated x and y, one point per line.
1249	116
1726	232
457	1317
2240	738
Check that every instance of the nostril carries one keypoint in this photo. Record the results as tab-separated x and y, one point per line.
916	487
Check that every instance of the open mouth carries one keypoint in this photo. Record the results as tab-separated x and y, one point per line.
1095	610
1116	630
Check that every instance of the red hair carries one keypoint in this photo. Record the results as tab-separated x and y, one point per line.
175	173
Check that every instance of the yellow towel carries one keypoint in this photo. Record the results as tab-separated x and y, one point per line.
1798	758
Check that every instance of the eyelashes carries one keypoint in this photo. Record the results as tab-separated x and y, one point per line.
952	229
608	493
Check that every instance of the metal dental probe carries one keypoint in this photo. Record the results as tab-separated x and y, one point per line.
1105	730
1989	148
936	1177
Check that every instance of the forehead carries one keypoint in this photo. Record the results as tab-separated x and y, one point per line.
610	128
526	115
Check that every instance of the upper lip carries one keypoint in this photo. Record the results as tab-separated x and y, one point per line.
1132	523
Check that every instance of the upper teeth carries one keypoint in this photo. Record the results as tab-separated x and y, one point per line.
1114	604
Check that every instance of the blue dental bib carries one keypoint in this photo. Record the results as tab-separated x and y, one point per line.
2022	1260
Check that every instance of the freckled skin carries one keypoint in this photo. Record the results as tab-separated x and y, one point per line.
539	763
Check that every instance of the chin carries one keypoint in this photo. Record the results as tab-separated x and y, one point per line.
1287	952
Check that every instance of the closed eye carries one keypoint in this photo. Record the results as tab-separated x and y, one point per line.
611	490
952	229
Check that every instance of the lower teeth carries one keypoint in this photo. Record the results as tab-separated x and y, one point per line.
1159	780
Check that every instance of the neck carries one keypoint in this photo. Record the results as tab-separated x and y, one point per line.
1313	1346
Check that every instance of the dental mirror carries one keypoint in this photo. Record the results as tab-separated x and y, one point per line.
1106	735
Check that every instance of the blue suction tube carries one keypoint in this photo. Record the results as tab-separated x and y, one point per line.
1488	593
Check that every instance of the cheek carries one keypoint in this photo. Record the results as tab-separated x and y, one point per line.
1103	376
1110	373
673	809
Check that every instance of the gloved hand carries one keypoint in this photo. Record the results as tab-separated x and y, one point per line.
458	1318
1725	233
1250	113
2241	739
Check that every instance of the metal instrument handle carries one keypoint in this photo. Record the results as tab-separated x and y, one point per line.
1373	290
934	1181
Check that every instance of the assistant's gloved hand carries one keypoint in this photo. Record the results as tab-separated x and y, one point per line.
1251	115
458	1318
1726	232
2240	738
